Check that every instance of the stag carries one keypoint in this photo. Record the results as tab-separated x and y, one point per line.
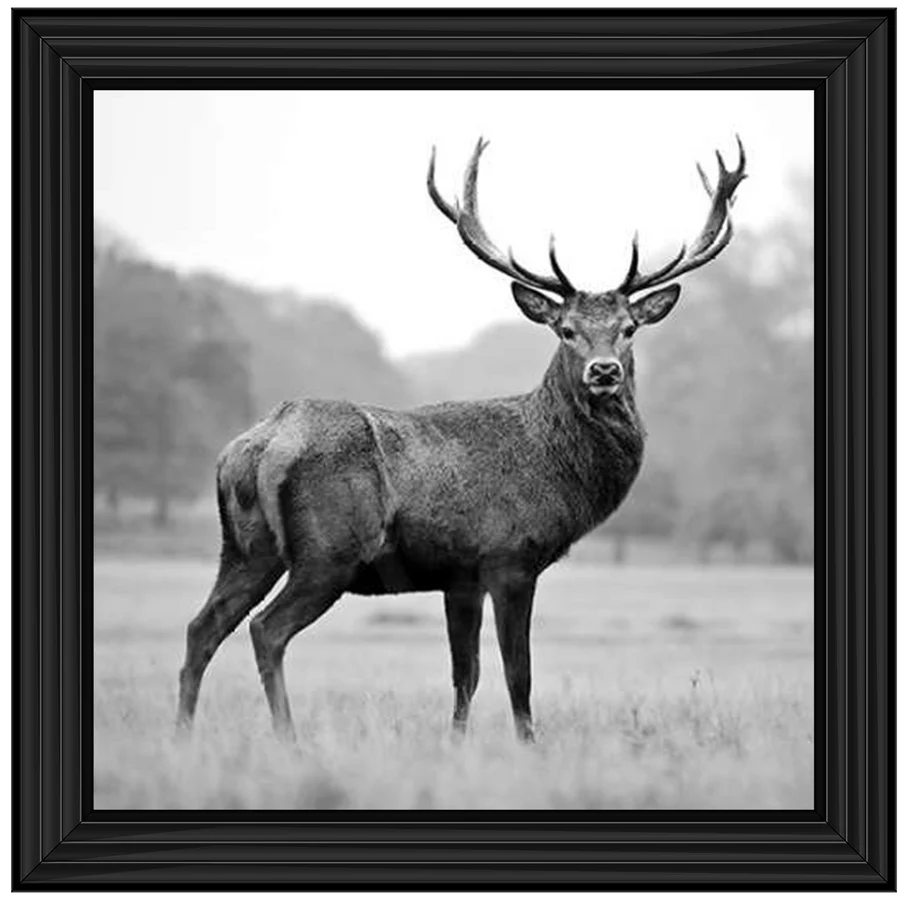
467	499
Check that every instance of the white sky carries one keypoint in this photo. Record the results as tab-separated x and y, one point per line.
324	192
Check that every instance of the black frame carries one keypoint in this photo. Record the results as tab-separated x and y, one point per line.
848	58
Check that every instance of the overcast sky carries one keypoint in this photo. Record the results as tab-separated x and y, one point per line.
324	192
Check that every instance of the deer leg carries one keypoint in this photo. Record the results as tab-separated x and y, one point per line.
463	609
240	585
299	604
512	611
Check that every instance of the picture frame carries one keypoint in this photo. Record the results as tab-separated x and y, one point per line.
846	57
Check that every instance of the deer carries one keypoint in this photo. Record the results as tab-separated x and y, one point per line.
463	498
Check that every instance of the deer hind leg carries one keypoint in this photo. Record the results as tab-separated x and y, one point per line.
513	600
331	521
302	600
463	608
241	584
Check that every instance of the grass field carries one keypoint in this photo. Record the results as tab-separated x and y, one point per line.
654	687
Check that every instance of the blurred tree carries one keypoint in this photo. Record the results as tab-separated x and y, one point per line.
504	359
650	510
300	347
170	383
182	364
729	401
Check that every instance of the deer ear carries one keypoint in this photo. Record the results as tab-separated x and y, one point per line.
535	305
656	306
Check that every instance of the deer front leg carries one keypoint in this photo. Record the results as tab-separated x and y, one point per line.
463	608
513	600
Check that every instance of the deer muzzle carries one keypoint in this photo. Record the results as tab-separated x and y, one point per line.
604	376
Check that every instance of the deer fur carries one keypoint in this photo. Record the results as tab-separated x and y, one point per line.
465	498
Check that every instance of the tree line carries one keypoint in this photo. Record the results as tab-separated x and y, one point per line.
726	389
182	363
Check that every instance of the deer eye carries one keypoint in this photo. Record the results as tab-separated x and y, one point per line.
566	333
628	331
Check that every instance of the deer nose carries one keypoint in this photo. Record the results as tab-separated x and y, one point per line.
603	372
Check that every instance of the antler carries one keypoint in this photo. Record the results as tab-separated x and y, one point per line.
470	229
711	241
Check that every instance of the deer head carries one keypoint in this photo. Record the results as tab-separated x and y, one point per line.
595	329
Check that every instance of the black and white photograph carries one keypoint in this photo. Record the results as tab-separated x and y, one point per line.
453	450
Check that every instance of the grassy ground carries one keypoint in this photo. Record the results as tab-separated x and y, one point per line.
654	687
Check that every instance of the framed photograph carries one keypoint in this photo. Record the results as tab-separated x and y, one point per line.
454	449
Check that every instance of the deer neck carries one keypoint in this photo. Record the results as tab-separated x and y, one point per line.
594	444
